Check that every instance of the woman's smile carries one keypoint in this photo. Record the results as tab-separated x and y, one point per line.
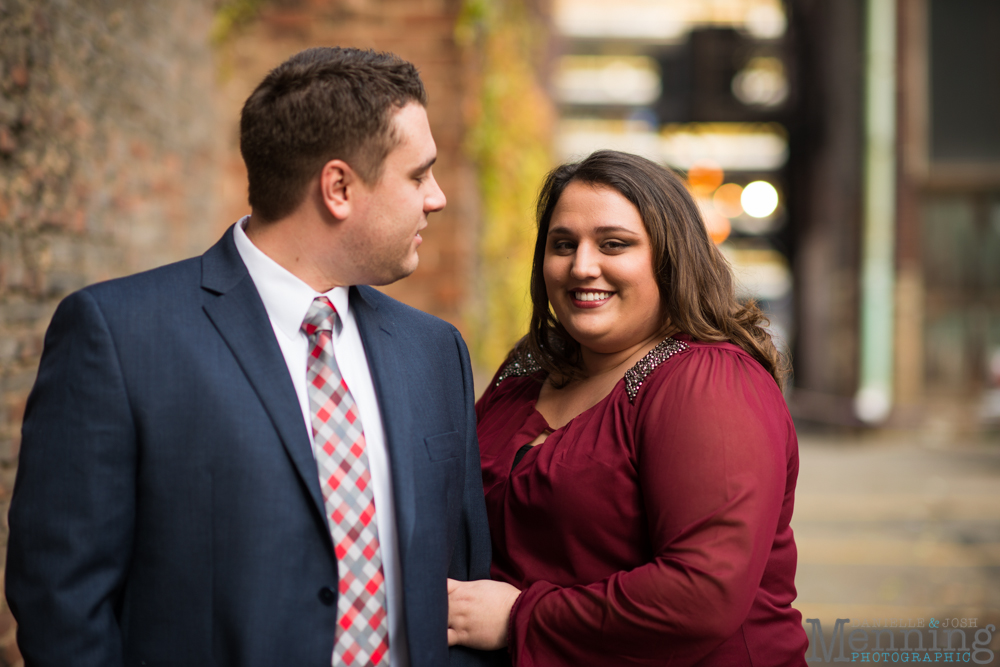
585	298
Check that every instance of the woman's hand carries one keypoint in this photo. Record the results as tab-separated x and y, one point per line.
478	612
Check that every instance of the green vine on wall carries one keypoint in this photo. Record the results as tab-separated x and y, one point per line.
231	15
509	142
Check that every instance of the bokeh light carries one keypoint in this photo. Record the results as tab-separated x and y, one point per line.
717	225
759	199
727	200
761	83
704	177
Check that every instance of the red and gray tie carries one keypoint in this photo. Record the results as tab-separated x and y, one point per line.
362	636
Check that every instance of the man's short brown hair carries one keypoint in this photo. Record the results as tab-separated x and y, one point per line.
319	105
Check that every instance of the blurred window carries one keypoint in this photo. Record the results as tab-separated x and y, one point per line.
629	80
964	80
961	259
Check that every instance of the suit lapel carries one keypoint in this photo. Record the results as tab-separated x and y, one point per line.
239	316
378	335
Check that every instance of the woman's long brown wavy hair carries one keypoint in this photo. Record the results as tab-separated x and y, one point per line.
695	280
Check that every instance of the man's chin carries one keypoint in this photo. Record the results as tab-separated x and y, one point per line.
400	272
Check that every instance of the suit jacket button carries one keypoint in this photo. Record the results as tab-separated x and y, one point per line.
327	596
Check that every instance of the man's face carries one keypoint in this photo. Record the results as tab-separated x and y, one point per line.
391	213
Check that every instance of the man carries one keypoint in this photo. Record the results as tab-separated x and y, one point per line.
250	458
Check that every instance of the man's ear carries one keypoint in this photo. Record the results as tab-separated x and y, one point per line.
338	186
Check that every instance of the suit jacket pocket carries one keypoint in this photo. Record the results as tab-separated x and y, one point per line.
444	446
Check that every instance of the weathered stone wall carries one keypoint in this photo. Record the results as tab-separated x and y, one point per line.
107	153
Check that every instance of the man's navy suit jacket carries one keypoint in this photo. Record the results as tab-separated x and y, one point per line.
167	508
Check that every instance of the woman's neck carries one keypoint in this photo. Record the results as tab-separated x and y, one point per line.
596	364
602	371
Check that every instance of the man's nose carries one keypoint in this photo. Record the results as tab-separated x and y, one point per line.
435	200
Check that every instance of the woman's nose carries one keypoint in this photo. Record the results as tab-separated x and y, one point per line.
586	262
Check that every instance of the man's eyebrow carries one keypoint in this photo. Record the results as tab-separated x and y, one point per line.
424	167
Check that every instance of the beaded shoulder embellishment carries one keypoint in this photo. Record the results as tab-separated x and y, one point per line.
521	365
635	376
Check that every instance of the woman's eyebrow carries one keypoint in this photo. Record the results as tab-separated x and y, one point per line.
605	229
614	229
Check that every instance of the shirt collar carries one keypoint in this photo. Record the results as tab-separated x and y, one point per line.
286	297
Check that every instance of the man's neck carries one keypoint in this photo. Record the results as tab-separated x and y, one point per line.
293	242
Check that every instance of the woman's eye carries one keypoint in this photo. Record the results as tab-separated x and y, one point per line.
615	245
562	246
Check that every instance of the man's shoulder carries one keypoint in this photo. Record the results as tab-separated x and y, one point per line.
400	313
179	278
218	269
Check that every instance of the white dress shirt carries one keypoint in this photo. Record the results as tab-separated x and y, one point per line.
287	299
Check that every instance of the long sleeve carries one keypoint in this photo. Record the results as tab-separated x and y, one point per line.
72	511
709	443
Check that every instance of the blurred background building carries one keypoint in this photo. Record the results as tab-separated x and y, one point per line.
845	154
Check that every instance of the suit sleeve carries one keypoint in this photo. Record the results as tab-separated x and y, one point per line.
709	439
476	530
73	507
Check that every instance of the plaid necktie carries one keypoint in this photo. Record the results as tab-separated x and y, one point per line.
362	636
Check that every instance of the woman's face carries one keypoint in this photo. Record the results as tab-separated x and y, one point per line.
598	270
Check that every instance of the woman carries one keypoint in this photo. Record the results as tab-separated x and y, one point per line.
638	458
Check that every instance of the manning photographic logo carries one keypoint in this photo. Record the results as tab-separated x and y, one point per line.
944	640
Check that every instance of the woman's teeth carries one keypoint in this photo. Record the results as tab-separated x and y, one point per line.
591	296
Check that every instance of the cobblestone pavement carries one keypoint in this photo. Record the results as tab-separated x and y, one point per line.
899	531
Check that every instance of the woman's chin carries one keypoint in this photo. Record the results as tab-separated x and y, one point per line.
601	343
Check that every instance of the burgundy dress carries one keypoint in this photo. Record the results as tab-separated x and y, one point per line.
653	528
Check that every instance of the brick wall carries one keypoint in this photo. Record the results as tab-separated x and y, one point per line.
107	157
